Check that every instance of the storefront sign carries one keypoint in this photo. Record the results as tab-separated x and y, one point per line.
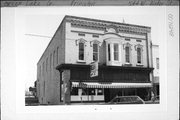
94	69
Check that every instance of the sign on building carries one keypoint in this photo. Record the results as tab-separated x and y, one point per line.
94	69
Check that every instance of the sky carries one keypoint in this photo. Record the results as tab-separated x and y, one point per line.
39	25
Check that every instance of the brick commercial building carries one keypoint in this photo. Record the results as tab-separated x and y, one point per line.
121	52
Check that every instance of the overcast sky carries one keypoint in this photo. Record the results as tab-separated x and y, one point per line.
44	22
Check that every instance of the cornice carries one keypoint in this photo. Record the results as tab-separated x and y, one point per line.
104	25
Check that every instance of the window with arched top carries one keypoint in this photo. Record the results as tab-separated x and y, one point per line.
81	43
95	52
127	54
95	47
139	51
81	51
139	56
127	50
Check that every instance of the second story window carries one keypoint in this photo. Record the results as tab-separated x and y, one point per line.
109	52
127	54
81	44
139	56
116	52
81	51
95	49
139	51
95	52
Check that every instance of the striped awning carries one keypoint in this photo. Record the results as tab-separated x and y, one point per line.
110	85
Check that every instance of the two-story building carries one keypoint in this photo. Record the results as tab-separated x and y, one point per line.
123	53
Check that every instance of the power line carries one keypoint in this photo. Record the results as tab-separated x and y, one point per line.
35	35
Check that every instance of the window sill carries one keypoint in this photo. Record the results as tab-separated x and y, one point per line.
140	65
81	61
127	64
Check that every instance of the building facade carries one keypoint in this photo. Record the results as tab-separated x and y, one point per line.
121	52
155	49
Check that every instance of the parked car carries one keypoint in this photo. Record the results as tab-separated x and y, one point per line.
156	99
31	100
127	100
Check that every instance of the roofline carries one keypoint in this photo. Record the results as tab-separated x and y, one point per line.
92	19
69	16
51	39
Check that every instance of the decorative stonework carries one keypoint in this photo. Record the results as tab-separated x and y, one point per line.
127	44
81	40
94	42
104	25
138	46
112	29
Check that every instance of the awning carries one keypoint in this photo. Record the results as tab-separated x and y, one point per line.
110	85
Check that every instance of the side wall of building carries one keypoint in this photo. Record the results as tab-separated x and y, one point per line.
47	75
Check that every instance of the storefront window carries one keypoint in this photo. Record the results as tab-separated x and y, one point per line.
100	91
74	91
84	92
91	91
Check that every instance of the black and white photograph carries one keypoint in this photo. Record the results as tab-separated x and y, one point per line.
94	60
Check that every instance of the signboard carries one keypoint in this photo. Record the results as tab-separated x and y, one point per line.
94	69
82	85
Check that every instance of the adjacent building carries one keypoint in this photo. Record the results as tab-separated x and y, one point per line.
155	49
90	60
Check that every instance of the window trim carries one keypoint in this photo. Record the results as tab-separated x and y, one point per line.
98	45
130	48
139	46
129	61
110	51
116	51
139	55
77	44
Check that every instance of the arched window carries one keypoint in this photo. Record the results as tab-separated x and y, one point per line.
81	43
139	56
81	51
95	52
127	54
139	50
95	45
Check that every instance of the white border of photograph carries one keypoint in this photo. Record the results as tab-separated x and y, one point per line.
13	83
